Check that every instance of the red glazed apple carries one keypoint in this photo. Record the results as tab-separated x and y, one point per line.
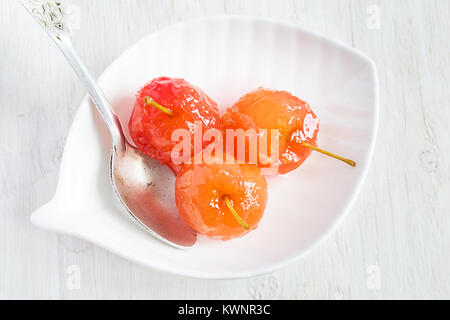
165	105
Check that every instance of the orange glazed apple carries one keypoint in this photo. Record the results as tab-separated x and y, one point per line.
221	200
293	119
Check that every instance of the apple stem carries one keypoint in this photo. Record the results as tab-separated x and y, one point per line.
150	101
347	161
235	214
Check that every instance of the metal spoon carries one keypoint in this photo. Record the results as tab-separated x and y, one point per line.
144	187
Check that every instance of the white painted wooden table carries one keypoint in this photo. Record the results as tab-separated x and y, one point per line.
398	232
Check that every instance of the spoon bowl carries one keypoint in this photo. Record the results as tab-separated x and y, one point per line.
146	189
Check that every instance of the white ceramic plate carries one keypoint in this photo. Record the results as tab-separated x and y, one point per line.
227	57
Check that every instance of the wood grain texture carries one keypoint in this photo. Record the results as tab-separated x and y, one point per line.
399	224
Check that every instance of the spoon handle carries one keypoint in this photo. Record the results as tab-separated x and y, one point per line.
51	15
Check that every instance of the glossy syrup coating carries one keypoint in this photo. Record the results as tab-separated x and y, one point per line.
151	129
269	109
200	192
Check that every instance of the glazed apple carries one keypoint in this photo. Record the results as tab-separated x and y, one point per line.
290	118
221	200
165	105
